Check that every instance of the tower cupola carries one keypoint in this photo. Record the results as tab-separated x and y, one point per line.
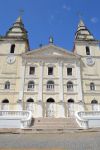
17	30
83	34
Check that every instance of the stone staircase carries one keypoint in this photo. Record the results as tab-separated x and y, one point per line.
52	125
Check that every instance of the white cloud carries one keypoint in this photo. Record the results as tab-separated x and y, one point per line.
52	17
94	20
65	7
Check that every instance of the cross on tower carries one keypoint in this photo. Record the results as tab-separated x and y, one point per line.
80	15
21	12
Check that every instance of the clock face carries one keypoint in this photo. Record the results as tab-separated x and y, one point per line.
90	61
11	59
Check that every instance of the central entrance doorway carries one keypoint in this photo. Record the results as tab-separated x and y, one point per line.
50	108
70	107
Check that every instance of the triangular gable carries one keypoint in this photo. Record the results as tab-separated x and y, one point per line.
50	51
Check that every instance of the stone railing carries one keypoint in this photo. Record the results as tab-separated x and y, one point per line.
89	119
15	119
50	87
26	122
83	123
89	114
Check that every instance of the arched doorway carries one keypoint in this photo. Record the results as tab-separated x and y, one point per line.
50	108
5	104
95	105
19	105
70	107
30	104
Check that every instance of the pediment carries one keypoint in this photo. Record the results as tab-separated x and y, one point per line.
50	51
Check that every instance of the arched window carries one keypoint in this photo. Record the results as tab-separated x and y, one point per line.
70	101
12	48
69	86
87	50
30	100
50	100
7	85
94	101
31	85
50	85
92	86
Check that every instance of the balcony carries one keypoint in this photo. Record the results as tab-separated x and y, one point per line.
70	89
50	87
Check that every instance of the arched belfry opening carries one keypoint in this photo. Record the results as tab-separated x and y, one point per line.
12	49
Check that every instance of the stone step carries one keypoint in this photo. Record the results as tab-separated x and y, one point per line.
48	131
53	120
64	122
51	127
54	124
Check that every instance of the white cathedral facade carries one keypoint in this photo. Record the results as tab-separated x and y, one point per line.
49	81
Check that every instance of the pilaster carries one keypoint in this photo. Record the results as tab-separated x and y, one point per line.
61	91
22	79
40	82
79	80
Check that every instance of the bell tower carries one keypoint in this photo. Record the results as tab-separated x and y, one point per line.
12	45
15	40
85	43
87	47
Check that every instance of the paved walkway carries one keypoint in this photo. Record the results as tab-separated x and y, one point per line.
30	149
68	141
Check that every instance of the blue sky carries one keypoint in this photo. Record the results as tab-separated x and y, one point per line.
58	18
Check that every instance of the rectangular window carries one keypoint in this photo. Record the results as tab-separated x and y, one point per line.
32	71
50	70
87	50
69	71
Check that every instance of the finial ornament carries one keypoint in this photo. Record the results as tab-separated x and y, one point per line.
51	40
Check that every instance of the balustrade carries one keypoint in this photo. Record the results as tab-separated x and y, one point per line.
24	117
50	87
88	119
